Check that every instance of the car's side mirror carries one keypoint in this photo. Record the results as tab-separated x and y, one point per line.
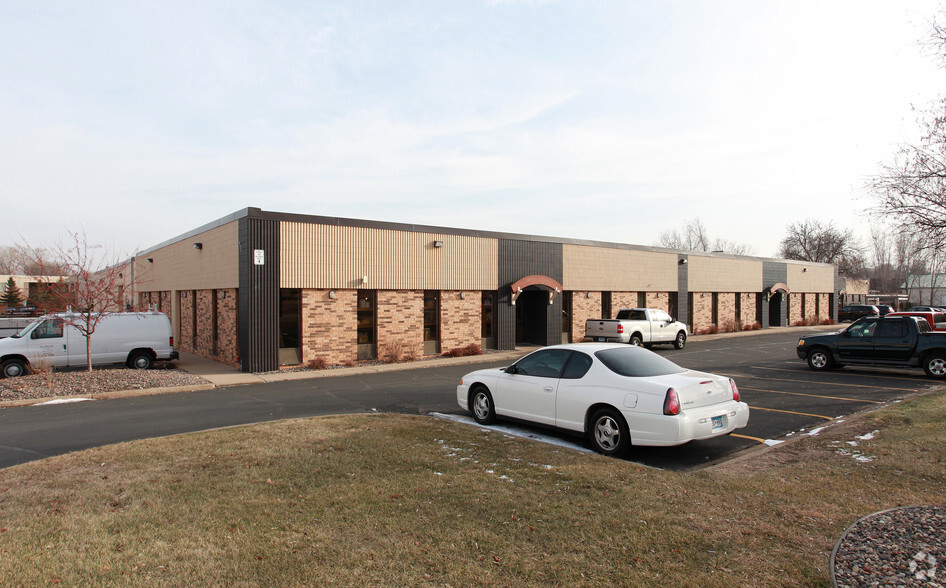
846	333
511	370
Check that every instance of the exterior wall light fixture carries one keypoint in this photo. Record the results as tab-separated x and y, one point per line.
438	244
682	262
332	294
364	279
198	245
150	260
463	295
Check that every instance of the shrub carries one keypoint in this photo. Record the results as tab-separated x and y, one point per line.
710	330
349	363
730	326
751	327
317	363
473	349
393	352
827	321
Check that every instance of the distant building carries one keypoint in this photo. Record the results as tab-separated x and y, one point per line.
920	292
260	289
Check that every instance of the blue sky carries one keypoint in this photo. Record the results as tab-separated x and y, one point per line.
610	121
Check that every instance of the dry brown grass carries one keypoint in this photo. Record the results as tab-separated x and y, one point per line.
395	500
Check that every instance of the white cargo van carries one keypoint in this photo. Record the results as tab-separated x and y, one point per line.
136	339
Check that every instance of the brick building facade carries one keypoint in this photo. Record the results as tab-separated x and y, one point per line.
260	289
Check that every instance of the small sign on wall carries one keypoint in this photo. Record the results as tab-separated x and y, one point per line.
259	257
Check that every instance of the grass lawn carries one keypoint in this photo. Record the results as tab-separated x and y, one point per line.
392	500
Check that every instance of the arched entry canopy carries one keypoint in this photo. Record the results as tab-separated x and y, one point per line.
774	289
535	280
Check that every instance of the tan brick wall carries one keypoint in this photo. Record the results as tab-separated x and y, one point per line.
824	306
401	322
726	312
584	308
187	322
329	326
658	300
749	309
702	311
795	309
621	300
460	318
228	327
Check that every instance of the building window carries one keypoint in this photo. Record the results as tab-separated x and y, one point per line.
605	305
486	329
367	304
431	315
642	299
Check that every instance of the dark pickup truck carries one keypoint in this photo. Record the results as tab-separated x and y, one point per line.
888	341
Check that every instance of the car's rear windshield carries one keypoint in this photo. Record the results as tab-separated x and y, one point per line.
635	362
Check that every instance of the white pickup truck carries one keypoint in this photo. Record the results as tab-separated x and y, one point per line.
638	326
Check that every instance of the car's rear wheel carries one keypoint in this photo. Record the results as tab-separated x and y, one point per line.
481	405
636	340
819	359
935	366
141	360
608	433
680	341
13	368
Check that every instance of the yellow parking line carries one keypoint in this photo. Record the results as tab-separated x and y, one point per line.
747	437
819	416
747	376
810	395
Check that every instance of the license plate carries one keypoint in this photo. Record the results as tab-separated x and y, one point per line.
599	339
718	423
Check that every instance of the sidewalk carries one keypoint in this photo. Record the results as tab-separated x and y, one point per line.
223	375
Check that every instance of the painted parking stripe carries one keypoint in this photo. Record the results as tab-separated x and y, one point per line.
878	376
757	439
818	416
811	395
820	383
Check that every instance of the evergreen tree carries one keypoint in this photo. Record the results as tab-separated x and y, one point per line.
12	297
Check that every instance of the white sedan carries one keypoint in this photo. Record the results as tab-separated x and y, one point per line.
614	394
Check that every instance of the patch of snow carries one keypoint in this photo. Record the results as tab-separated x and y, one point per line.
815	432
63	401
868	436
771	442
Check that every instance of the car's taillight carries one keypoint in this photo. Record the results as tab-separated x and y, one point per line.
671	402
735	390
620	328
172	340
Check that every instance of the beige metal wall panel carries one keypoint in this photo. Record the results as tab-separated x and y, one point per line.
723	274
810	278
331	256
180	266
586	267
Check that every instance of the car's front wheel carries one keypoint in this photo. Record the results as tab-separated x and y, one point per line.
481	405
13	368
935	366
819	359
608	433
680	341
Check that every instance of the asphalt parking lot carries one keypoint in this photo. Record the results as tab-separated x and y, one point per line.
785	397
786	400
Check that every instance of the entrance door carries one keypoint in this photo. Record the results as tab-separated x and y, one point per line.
775	310
290	327
532	317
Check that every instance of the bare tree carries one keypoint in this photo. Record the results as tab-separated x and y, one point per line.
911	188
815	241
694	237
72	276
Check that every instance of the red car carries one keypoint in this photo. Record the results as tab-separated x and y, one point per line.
937	320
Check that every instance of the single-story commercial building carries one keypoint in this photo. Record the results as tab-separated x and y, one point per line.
260	289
